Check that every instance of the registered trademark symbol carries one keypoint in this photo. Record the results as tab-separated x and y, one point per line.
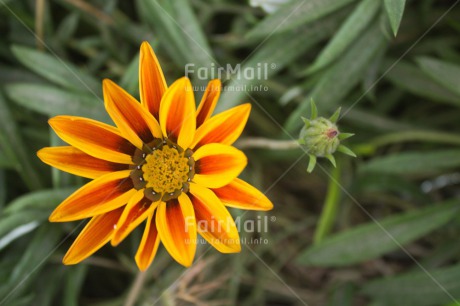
272	218
273	66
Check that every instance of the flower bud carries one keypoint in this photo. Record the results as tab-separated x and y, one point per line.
320	137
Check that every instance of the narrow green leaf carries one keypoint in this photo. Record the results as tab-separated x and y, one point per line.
56	70
353	26
395	10
15	149
372	240
73	284
335	116
278	52
342	76
53	101
294	14
444	73
10	222
43	200
311	163
414	163
433	287
412	79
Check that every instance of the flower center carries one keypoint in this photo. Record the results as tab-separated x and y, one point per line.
165	172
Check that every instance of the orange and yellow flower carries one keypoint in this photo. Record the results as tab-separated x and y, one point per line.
165	162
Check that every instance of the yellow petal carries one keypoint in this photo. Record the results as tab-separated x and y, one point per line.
135	123
217	165
214	222
149	245
208	102
177	229
152	84
99	196
240	194
137	210
177	113
75	161
223	128
94	138
95	234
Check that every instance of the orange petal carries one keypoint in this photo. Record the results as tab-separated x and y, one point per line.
137	210
177	113
95	234
214	222
152	84
75	161
94	138
135	122
217	165
208	102
99	196
223	128
149	245
176	226
240	194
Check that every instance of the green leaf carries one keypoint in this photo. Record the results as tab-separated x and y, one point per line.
52	101
354	25
43	200
412	79
444	73
15	149
294	14
342	76
56	70
372	240
434	287
278	52
395	10
414	163
10	222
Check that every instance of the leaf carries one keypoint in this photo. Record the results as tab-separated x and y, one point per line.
10	222
395	10
417	288
354	25
413	163
52	101
43	200
371	240
56	70
412	79
278	52
342	76
294	14
444	73
15	149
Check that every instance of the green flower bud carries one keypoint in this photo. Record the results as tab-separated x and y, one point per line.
320	137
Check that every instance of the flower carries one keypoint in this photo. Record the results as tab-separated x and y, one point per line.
165	162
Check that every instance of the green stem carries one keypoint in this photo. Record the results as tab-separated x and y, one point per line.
329	213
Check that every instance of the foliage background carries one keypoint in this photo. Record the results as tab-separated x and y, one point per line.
381	229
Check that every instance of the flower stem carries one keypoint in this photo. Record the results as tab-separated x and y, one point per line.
265	143
329	213
133	293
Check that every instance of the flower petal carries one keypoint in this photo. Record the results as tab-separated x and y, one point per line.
152	84
177	113
240	194
208	102
176	226
99	196
137	210
223	128
217	165
149	244
95	234
135	123
94	138
77	162
214	222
